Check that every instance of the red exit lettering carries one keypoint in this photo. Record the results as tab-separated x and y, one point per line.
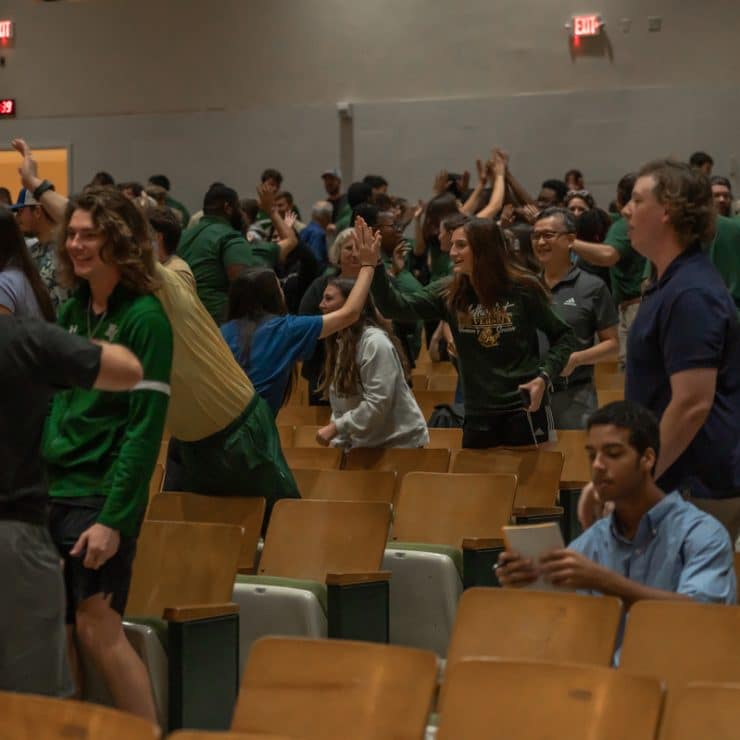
586	25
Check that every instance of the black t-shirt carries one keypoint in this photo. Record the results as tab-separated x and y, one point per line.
36	359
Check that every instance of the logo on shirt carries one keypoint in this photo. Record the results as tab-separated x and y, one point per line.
111	332
570	302
73	328
488	324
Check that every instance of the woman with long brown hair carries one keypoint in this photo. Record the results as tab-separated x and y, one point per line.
365	379
22	292
495	309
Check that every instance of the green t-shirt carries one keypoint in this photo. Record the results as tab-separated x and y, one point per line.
626	275
440	265
210	247
264	254
497	347
98	443
408	331
724	251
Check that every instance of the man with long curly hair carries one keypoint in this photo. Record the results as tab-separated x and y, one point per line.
100	449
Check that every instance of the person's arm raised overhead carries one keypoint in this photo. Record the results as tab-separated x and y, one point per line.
287	238
368	247
420	247
499	163
468	207
54	204
601	255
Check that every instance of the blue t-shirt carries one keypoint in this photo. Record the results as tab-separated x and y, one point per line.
687	320
315	237
277	344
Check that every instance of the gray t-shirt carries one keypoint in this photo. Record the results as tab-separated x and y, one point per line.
583	301
16	294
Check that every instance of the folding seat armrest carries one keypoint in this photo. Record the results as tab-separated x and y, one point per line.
358	605
537	514
192	612
479	556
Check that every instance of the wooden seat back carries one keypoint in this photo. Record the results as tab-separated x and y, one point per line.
244	512
335	690
427	400
710	710
403	461
445	508
608	396
183	563
30	717
346	485
319	458
445	439
538	471
308	539
442	383
487	697
576	465
297	415
681	642
535	625
287	434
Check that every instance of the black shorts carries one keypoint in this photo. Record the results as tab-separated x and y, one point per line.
69	518
508	429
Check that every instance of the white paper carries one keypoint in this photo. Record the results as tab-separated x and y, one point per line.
532	541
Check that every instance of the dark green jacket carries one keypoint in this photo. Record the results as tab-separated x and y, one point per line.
497	348
106	444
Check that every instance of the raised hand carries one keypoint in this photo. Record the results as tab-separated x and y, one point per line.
398	261
290	219
441	182
419	210
500	161
265	198
366	243
465	181
482	172
28	169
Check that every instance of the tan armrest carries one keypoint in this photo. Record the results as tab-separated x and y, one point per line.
192	612
482	543
350	579
537	511
244	571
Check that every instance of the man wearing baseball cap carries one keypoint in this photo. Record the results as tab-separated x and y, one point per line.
34	222
333	185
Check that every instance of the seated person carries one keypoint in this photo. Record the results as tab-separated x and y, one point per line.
654	545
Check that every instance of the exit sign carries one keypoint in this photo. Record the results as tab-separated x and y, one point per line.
6	30
587	25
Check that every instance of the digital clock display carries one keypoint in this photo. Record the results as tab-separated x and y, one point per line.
7	107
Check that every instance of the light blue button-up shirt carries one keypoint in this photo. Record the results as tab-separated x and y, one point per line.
676	548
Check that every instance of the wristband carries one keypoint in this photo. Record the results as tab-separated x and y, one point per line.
41	189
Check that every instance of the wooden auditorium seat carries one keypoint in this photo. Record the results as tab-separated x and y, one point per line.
346	485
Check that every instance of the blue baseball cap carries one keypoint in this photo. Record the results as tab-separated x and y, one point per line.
25	198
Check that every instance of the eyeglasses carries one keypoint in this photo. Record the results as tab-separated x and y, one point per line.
547	236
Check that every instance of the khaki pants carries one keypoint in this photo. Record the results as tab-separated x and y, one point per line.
726	510
626	317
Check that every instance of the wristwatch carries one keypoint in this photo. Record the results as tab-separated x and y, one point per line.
41	189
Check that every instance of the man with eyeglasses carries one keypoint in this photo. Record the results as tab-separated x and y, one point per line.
583	301
626	265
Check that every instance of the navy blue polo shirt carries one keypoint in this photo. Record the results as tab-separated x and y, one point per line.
688	320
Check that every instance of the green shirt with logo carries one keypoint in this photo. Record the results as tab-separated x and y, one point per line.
98	443
497	346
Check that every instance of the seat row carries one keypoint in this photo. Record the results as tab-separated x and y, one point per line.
550	680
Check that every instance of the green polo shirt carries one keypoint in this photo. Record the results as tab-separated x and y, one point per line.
180	208
497	346
210	247
626	275
408	331
98	443
724	251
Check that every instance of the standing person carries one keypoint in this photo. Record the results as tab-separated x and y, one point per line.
37	359
167	232
22	292
494	308
626	264
163	182
684	347
215	248
100	450
314	235
267	342
34	221
365	379
584	303
722	195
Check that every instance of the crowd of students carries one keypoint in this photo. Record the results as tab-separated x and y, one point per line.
217	310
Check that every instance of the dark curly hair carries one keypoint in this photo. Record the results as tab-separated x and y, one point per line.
127	242
686	194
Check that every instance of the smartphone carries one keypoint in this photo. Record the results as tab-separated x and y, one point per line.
526	397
